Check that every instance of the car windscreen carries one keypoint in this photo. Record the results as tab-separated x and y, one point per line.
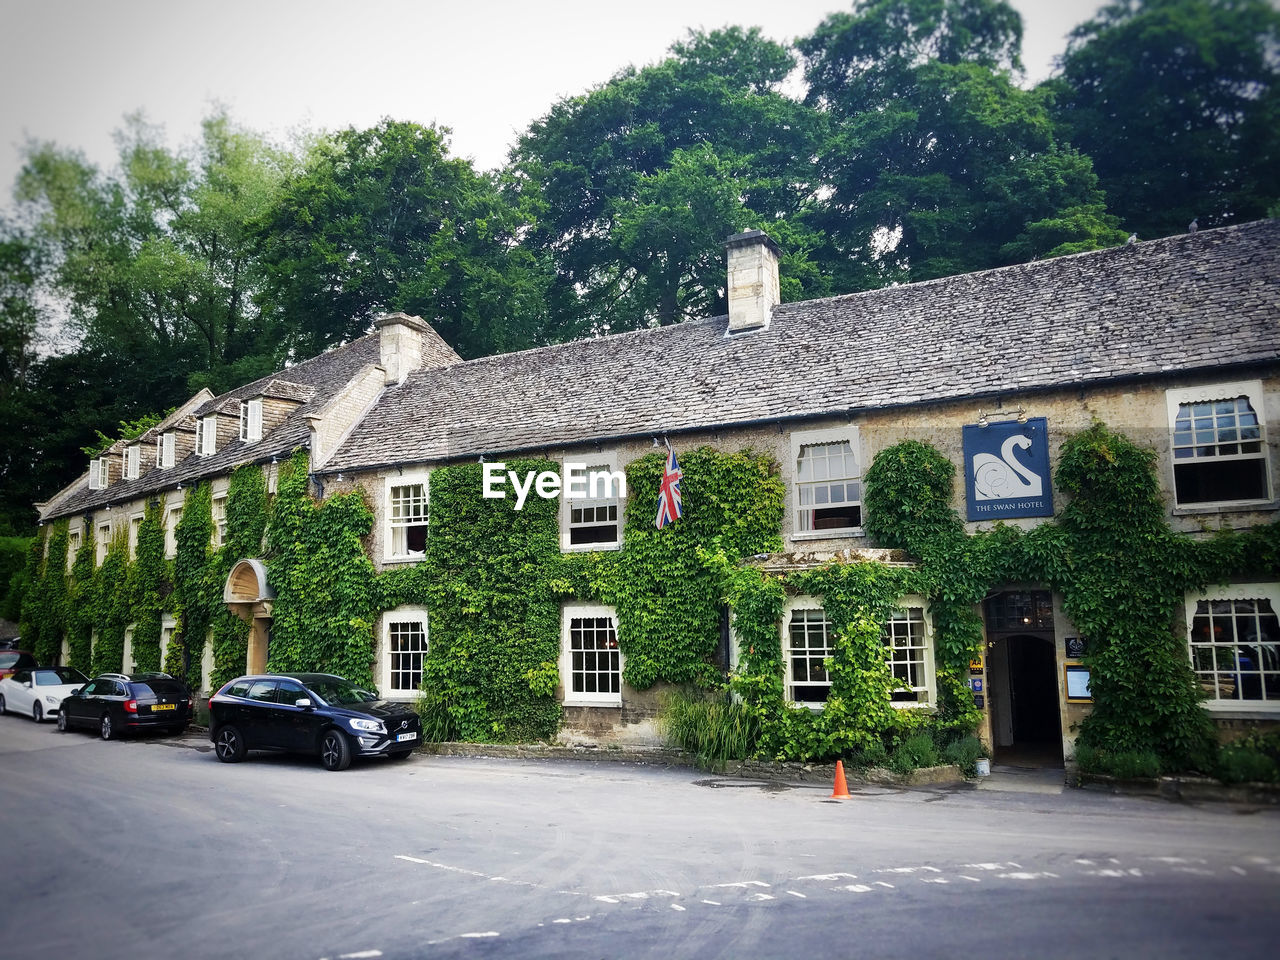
335	690
55	676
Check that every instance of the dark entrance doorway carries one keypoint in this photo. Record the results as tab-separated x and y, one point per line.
1022	679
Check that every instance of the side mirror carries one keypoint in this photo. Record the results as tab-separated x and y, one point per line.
304	702
27	684
75	692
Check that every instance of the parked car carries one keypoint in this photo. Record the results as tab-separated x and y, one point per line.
38	692
13	660
10	643
312	713
117	703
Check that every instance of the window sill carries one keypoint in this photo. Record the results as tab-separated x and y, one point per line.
841	534
908	705
1265	709
418	558
606	704
1240	506
589	547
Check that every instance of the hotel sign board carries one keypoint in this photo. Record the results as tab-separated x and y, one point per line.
1006	470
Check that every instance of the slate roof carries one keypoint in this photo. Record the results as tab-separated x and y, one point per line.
315	380
1181	304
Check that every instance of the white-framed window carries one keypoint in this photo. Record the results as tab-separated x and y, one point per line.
808	641
1233	636
166	450
590	660
131	462
135	527
73	547
126	657
251	420
906	638
219	510
406	513
104	540
99	473
1219	444
167	629
594	520
207	435
404	642
171	518
827	492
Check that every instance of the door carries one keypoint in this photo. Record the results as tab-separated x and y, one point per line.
261	727
1025	711
21	693
297	725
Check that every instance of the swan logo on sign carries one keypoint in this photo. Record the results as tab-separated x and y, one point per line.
1007	470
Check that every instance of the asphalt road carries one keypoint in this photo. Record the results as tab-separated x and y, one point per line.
151	848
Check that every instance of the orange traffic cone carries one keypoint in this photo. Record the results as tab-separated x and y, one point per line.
841	789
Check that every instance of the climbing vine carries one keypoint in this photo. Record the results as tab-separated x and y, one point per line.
247	512
193	599
112	607
148	588
81	606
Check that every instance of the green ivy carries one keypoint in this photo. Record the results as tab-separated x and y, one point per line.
195	597
112	607
81	606
323	580
148	588
247	515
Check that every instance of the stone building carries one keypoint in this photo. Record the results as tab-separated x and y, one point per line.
1174	343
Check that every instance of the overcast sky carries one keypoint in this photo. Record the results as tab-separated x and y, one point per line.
485	68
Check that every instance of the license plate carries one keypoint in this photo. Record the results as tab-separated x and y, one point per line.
163	706
406	736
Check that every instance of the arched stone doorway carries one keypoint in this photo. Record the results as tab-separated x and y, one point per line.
249	597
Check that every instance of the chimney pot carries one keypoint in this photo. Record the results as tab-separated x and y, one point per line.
401	342
753	280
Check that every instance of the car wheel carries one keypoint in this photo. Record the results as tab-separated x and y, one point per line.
335	751
37	713
402	755
62	721
3	711
105	728
229	745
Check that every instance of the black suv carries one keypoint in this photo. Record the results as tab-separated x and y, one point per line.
113	703
314	713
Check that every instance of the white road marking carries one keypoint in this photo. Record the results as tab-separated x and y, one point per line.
856	888
743	883
985	866
1023	875
401	856
974	879
1087	863
881	883
714	903
934	880
676	906
1240	870
1258	859
638	895
907	870
562	920
1195	871
830	876
473	936
800	895
760	896
361	955
1106	872
1175	859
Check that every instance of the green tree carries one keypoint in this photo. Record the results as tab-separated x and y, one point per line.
937	163
636	184
1177	101
384	219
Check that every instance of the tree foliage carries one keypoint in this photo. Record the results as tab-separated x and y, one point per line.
1178	104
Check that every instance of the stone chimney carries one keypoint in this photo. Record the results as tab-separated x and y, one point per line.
753	280
402	339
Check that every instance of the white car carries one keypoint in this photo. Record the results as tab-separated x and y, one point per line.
37	692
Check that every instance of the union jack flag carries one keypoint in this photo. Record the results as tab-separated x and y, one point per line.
669	505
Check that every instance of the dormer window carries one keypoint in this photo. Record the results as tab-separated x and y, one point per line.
131	462
207	435
166	447
99	473
251	420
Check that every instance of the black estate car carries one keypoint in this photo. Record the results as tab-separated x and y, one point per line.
113	703
314	713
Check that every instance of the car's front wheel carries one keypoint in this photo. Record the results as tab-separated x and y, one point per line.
106	729
37	712
62	721
3	711
229	745
335	751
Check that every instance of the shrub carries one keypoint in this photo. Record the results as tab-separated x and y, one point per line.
1125	764
1242	763
713	730
872	755
964	753
913	753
